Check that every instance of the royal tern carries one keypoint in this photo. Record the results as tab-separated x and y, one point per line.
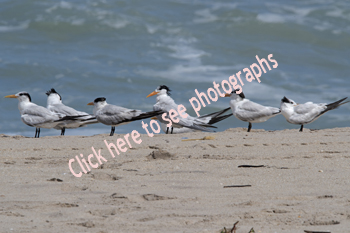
249	111
210	119
54	104
113	115
35	115
301	114
165	103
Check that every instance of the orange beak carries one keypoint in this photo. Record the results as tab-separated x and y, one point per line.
153	93
10	96
227	95
154	118
91	103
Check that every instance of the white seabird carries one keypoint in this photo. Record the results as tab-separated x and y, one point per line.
35	115
165	103
249	111
54	104
113	115
301	114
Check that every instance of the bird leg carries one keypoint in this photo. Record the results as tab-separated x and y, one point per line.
112	131
37	132
301	128
167	130
63	130
249	127
172	128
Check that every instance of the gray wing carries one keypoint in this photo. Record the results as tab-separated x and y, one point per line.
308	108
36	115
164	107
250	111
306	113
114	115
68	111
157	108
61	108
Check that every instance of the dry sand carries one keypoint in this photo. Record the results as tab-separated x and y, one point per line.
304	184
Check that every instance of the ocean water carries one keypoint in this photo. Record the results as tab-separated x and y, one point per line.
123	50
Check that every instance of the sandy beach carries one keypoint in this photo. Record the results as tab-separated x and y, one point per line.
169	185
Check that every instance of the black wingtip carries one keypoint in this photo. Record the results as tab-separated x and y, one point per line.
70	118
336	104
219	118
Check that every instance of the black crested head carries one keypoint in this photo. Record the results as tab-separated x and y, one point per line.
99	99
164	87
240	94
285	100
26	94
53	91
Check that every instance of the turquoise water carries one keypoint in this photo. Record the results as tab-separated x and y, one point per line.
123	50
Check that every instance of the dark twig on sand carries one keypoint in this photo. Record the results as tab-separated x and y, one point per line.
233	230
237	186
316	231
252	166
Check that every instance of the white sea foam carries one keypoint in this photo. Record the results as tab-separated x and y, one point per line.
270	18
22	26
323	26
302	15
285	13
173	30
222	5
335	13
298	11
338	31
193	73
65	5
204	16
189	68
151	28
116	23
186	52
78	22
183	49
62	5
